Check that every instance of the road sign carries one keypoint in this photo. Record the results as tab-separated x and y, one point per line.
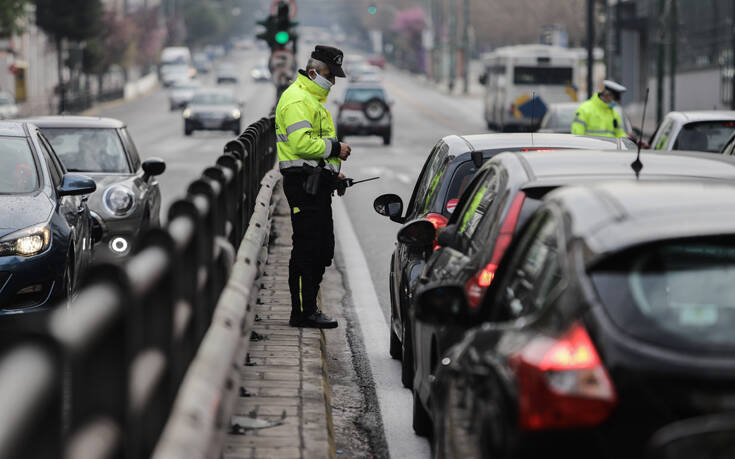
292	10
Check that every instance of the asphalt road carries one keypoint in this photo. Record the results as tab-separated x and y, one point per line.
422	115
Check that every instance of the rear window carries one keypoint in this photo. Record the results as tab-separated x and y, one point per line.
560	76
677	293
705	136
363	94
17	167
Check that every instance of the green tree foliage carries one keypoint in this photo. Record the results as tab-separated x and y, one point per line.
11	13
74	20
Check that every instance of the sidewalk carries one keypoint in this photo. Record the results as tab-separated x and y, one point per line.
284	409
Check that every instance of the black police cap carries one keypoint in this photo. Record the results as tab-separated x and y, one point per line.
330	56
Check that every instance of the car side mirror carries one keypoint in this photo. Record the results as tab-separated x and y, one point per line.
75	185
389	205
419	234
439	304
153	167
447	236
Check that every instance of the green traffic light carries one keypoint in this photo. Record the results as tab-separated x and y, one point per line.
372	9
282	37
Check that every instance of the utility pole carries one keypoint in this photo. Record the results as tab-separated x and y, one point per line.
660	35
466	47
732	57
673	30
452	43
590	46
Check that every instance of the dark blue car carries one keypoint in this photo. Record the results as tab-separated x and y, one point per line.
45	226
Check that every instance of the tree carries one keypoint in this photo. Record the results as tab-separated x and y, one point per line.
75	20
11	13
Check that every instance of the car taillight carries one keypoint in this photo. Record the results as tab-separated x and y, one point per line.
439	221
538	149
562	382
477	284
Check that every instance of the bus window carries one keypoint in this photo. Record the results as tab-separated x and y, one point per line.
560	76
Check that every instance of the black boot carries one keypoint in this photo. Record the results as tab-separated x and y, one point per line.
317	319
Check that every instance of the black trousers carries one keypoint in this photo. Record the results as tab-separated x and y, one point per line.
313	241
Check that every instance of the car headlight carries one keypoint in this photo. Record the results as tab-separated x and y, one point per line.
187	113
26	242
235	113
118	200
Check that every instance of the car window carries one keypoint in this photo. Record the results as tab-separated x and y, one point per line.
88	149
704	136
18	173
132	149
663	135
675	293
431	168
363	94
212	98
729	148
55	168
533	273
461	178
479	205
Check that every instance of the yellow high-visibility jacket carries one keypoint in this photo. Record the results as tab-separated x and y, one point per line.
595	117
305	132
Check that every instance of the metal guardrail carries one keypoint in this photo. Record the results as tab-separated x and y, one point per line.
99	379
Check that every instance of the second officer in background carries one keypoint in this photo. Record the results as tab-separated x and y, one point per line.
310	158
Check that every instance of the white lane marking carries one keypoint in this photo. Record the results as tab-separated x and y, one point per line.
396	403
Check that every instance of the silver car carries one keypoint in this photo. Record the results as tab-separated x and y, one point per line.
181	92
694	130
128	199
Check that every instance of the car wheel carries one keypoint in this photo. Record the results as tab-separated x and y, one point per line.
68	283
236	131
386	139
374	109
406	356
188	131
421	420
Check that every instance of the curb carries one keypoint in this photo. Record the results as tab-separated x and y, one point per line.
327	393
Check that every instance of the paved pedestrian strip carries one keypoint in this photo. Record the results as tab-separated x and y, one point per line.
283	410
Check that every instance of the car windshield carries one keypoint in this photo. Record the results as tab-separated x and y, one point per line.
17	167
212	98
705	136
364	94
675	293
89	149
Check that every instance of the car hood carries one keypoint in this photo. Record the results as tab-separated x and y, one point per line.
224	109
21	211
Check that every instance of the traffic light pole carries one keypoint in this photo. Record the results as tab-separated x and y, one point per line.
590	47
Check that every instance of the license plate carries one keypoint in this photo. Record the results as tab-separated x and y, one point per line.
211	124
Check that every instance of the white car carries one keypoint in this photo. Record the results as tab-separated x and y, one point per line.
8	109
181	92
695	131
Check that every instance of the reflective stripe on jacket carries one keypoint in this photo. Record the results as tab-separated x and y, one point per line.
305	132
595	117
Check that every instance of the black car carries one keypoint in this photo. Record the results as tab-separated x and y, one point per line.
501	197
365	110
446	172
212	109
610	316
128	199
45	226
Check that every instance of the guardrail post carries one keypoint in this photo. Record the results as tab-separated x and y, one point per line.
237	192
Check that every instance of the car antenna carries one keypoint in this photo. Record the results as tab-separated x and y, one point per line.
637	165
533	113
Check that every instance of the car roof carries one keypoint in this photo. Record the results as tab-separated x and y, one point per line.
570	163
64	121
702	115
542	140
12	129
614	215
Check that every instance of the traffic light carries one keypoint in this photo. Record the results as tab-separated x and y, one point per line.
279	28
372	9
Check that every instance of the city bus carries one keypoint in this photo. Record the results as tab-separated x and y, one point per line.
521	81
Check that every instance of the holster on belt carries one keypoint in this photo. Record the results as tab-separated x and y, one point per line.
313	177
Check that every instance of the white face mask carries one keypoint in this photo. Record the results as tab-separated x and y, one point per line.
321	81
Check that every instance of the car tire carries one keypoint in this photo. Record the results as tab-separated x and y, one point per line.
395	344
236	130
188	131
68	282
407	370
421	421
374	109
386	139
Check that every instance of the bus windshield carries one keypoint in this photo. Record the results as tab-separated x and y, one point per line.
559	76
